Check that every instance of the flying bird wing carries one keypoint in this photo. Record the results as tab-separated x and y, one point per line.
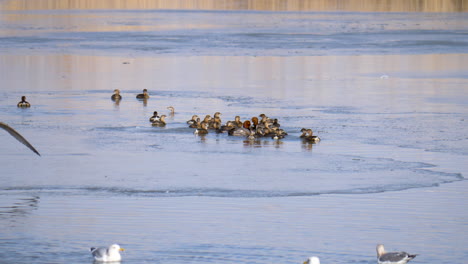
18	137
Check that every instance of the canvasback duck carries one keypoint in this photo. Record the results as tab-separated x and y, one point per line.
18	137
161	122
116	96
23	103
312	260
110	254
155	117
243	131
392	257
254	122
143	95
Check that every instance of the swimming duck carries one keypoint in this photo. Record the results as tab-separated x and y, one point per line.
197	124
310	137
23	103
225	128
392	257
143	95
237	121
171	108
304	133
254	123
155	117
161	122
193	120
215	123
207	120
202	130
18	137
312	260
116	96
243	131
110	254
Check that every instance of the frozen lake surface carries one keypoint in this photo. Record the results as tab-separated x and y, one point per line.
386	92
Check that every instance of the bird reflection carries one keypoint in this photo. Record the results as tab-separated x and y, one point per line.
18	137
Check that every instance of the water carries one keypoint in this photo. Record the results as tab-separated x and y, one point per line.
386	92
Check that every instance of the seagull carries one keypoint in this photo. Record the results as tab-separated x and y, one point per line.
392	257
18	137
312	260
110	254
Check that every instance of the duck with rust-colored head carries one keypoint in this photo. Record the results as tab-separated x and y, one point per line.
23	103
243	131
143	95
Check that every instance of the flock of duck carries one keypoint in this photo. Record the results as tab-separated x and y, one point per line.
256	127
112	254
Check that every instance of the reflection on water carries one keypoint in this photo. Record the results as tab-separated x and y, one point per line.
272	5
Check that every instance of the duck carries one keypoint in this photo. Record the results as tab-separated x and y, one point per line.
18	137
116	96
161	122
202	130
225	128
243	131
310	137
237	121
392	257
252	135
207	120
155	117
312	260
254	123
215	123
193	120
110	254
171	108
23	103
279	134
197	124
304	133
143	95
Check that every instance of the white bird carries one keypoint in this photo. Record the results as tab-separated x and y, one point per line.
18	137
312	260
110	254
392	257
